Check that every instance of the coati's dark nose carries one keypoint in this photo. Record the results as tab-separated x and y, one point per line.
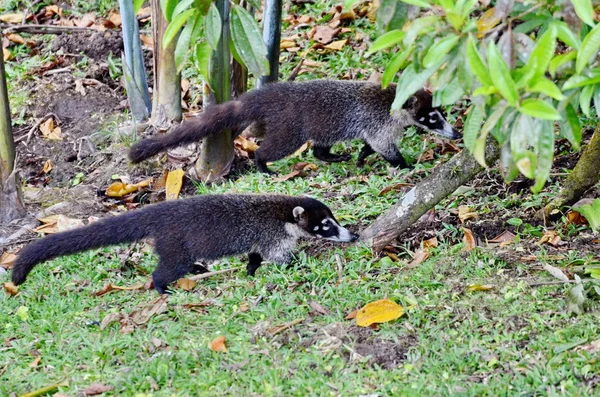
353	237
455	134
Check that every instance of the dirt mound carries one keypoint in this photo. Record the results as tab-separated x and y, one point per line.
96	45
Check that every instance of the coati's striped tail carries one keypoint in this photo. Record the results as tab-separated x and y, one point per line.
212	121
124	228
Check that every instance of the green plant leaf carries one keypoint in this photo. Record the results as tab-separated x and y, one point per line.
203	52
386	40
545	149
137	4
585	99
248	42
440	49
477	66
576	81
472	127
500	75
570	127
560	60
168	6
410	82
584	10
175	26
479	150
181	7
527	164
589	49
591	212
183	42
543	52
449	95
566	35
539	109
419	26
418	3
394	65
213	26
597	100
546	87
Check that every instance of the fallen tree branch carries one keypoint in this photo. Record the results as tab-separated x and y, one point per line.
585	175
44	29
442	182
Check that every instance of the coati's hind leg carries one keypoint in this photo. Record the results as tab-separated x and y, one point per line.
389	151
175	262
273	149
254	262
323	153
365	152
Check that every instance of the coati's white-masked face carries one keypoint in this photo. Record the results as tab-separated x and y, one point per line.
432	119
321	224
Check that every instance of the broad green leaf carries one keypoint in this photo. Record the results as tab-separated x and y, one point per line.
580	81
168	6
585	99
545	149
203	53
472	127
137	4
183	43
527	164
589	49
597	100
394	65
181	7
522	76
234	52
539	109
477	66
440	49
500	75
543	52
418	3
521	136
486	90
175	26
560	60
203	5
508	167
584	10
547	87
213	26
479	149
449	95
444	76
387	40
464	8
465	75
248	42
566	35
419	26
570	127
591	212
410	82
501	131
528	26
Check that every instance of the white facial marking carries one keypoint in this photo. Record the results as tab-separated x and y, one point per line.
422	119
326	227
318	235
433	113
324	221
432	121
316	228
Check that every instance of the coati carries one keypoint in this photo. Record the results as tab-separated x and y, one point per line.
322	111
204	227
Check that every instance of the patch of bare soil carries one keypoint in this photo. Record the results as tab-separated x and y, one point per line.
96	45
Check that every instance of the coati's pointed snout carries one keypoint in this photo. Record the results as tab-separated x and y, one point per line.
448	132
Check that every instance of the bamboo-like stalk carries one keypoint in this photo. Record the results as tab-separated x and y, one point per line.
272	38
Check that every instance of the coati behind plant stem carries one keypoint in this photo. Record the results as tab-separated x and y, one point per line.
322	111
204	227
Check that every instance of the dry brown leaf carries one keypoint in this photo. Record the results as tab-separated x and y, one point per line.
465	213
10	289
284	44
12	18
550	237
381	311
592	348
336	45
420	255
218	344
53	10
48	166
431	243
7	260
35	362
576	218
351	315
323	34
468	239
303	166
302	149
96	388
115	18
144	11
110	287
186	284
86	21
245	144
503	238
144	314
50	131
174	183
280	328
479	287
16	38
109	319
428	155
287	177
57	223
318	308
244	307
147	41
7	55
396	186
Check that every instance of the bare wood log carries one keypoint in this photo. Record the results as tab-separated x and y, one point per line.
45	29
444	180
585	175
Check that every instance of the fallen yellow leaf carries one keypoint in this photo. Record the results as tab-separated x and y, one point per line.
11	289
465	213
174	182
50	130
48	166
468	239
486	22
381	311
420	255
7	260
120	189
12	18
186	284
245	144
479	287
336	45
218	344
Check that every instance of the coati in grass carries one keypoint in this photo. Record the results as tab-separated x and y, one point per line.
204	227
322	111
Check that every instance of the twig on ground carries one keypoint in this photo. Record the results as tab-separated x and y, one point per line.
210	274
558	282
57	71
44	29
35	127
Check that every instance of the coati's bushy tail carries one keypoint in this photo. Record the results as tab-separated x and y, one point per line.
124	228
212	121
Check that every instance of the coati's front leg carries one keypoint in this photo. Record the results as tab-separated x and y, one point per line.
254	262
389	151
323	153
365	152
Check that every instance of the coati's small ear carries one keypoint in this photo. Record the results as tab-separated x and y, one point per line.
298	211
412	103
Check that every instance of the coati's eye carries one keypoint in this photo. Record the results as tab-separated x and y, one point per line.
315	228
